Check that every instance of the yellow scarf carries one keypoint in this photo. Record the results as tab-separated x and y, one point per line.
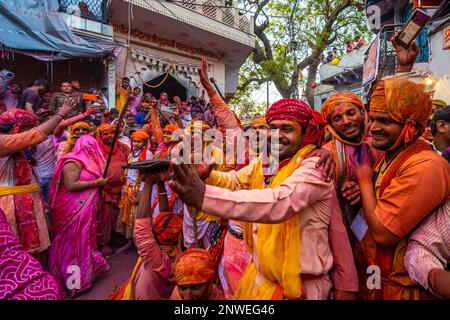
129	291
278	245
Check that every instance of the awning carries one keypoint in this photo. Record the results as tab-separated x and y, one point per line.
35	28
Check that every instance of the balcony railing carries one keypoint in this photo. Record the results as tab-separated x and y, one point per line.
215	9
95	10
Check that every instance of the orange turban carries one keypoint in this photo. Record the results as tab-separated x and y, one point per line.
167	227
405	102
171	127
194	266
106	127
261	120
337	99
140	135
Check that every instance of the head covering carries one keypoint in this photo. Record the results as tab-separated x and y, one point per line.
171	127
21	118
139	118
194	266
104	128
405	102
439	102
87	151
140	135
197	125
299	111
337	99
167	227
72	128
260	120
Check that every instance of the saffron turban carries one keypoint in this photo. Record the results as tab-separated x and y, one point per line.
194	266
21	118
299	111
171	127
106	127
337	99
140	135
405	102
257	121
167	227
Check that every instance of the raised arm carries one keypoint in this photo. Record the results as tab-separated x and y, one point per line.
66	123
226	118
20	141
154	119
148	248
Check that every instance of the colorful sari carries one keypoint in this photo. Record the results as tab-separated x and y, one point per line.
21	275
74	247
20	198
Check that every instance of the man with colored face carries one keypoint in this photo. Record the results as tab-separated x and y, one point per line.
194	275
109	199
132	186
396	197
289	207
347	121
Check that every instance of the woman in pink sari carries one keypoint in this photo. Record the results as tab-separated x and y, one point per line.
74	196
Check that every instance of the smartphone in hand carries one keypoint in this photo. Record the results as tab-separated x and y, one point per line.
413	27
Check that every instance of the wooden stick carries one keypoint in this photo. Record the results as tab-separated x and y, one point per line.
116	135
194	218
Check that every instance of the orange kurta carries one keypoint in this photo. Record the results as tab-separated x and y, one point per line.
421	183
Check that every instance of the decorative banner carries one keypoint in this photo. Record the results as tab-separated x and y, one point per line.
447	38
370	68
162	42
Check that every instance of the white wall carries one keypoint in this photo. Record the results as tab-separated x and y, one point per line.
440	66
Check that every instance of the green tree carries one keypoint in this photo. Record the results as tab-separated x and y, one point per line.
292	36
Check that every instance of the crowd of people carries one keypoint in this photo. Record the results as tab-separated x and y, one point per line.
334	56
340	209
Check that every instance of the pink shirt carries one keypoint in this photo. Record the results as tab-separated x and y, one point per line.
429	246
154	278
324	246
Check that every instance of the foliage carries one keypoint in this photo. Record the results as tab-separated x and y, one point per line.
315	26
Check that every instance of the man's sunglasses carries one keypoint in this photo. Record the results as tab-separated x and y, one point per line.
80	129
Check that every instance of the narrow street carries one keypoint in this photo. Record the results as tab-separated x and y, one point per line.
121	266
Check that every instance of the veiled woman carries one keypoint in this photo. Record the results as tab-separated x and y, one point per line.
74	196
